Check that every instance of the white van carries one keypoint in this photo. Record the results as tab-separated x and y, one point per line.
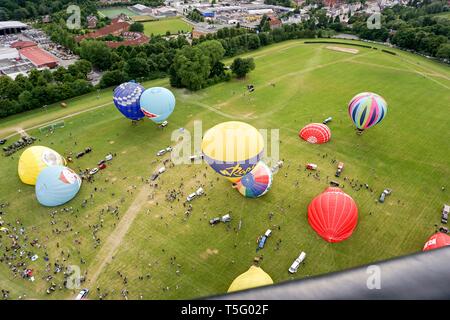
199	191
191	196
161	170
294	267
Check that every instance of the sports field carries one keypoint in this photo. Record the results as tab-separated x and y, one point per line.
114	12
160	27
295	84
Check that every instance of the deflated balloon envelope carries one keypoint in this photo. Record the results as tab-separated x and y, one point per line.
57	185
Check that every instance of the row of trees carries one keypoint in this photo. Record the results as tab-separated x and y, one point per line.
44	87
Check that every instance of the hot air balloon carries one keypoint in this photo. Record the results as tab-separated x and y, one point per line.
126	99
34	159
333	215
157	103
232	148
252	278
315	133
257	182
57	185
367	109
437	240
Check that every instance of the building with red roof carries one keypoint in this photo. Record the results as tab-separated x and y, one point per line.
23	44
38	57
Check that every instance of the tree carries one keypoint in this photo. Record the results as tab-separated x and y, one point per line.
190	68
444	51
137	68
111	78
137	27
97	52
241	67
213	49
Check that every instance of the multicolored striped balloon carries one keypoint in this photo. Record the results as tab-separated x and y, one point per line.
367	109
315	133
257	182
126	99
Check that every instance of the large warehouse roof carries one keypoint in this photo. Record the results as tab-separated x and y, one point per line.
39	57
11	25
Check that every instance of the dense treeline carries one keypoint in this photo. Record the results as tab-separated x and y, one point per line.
44	87
22	10
413	27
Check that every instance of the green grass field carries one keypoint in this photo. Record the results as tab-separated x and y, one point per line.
160	27
407	152
114	12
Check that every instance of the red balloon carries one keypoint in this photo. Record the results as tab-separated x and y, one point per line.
437	240
315	133
333	215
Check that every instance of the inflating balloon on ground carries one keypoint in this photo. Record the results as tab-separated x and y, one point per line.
333	215
233	149
256	183
367	109
57	185
34	159
126	99
157	103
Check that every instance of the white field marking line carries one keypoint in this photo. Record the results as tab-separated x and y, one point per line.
54	120
212	109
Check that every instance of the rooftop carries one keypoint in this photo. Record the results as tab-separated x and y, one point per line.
12	24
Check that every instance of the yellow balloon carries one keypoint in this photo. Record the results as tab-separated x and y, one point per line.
252	278
233	148
36	158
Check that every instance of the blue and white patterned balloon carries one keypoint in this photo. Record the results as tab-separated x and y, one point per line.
126	98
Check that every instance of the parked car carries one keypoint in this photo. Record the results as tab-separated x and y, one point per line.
294	266
200	191
168	149
268	233
108	157
262	242
161	152
214	221
80	154
101	162
334	183
311	166
163	124
327	120
191	196
154	176
161	170
88	149
340	167
3	141
226	218
82	295
443	229
93	171
102	166
445	212
383	195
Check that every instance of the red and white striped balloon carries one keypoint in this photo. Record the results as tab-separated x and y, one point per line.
315	133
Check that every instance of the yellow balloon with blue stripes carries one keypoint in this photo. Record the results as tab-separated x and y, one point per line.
233	149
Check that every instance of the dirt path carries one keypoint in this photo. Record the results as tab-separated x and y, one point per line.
114	240
16	129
